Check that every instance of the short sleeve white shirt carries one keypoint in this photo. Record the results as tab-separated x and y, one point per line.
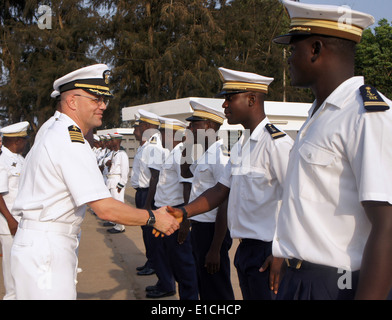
11	165
119	169
150	155
255	175
341	156
170	190
207	171
59	177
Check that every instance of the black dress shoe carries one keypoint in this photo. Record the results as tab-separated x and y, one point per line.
151	288
108	224
113	231
142	267
159	294
146	272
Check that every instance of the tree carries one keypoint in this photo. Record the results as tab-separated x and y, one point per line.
32	58
374	57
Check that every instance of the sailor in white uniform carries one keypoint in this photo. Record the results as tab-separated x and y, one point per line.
334	227
11	164
59	179
252	181
211	240
117	175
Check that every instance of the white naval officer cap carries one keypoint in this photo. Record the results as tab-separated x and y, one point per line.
16	130
137	121
93	79
115	136
327	20
55	94
149	117
173	124
240	81
205	111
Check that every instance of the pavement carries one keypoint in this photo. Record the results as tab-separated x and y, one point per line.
108	262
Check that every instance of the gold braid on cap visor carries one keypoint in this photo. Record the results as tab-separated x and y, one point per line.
233	85
171	127
208	115
326	27
149	121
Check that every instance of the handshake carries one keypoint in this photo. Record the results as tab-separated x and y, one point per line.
168	220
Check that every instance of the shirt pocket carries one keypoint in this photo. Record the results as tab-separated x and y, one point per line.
317	172
254	181
204	175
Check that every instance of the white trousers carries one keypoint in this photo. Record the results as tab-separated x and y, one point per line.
44	264
118	196
6	244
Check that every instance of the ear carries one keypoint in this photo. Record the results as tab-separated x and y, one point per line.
317	48
70	101
251	99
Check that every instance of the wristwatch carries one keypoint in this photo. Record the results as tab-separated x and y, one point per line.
151	219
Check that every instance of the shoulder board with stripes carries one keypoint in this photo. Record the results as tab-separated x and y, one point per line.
225	151
274	131
372	100
76	134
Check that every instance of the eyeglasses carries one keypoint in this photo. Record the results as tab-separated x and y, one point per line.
98	101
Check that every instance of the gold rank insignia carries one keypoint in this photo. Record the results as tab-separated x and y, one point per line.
76	134
153	140
274	131
225	151
372	100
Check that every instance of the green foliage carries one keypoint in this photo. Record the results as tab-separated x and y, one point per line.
157	50
374	57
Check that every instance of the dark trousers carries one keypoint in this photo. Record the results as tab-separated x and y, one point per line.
215	286
175	262
309	281
140	201
249	257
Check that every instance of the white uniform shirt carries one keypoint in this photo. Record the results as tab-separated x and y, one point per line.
46	125
119	169
207	171
255	175
342	156
150	155
170	190
59	177
11	165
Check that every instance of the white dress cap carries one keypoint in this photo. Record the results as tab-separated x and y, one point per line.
93	79
329	20
149	117
240	81
202	111
16	130
115	135
173	124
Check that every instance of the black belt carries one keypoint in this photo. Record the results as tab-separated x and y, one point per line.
253	241
301	264
141	189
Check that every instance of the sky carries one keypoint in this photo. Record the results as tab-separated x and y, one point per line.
379	9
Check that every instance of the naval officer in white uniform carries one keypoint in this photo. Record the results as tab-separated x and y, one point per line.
59	178
11	164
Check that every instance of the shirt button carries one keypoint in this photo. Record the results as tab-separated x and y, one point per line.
309	155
